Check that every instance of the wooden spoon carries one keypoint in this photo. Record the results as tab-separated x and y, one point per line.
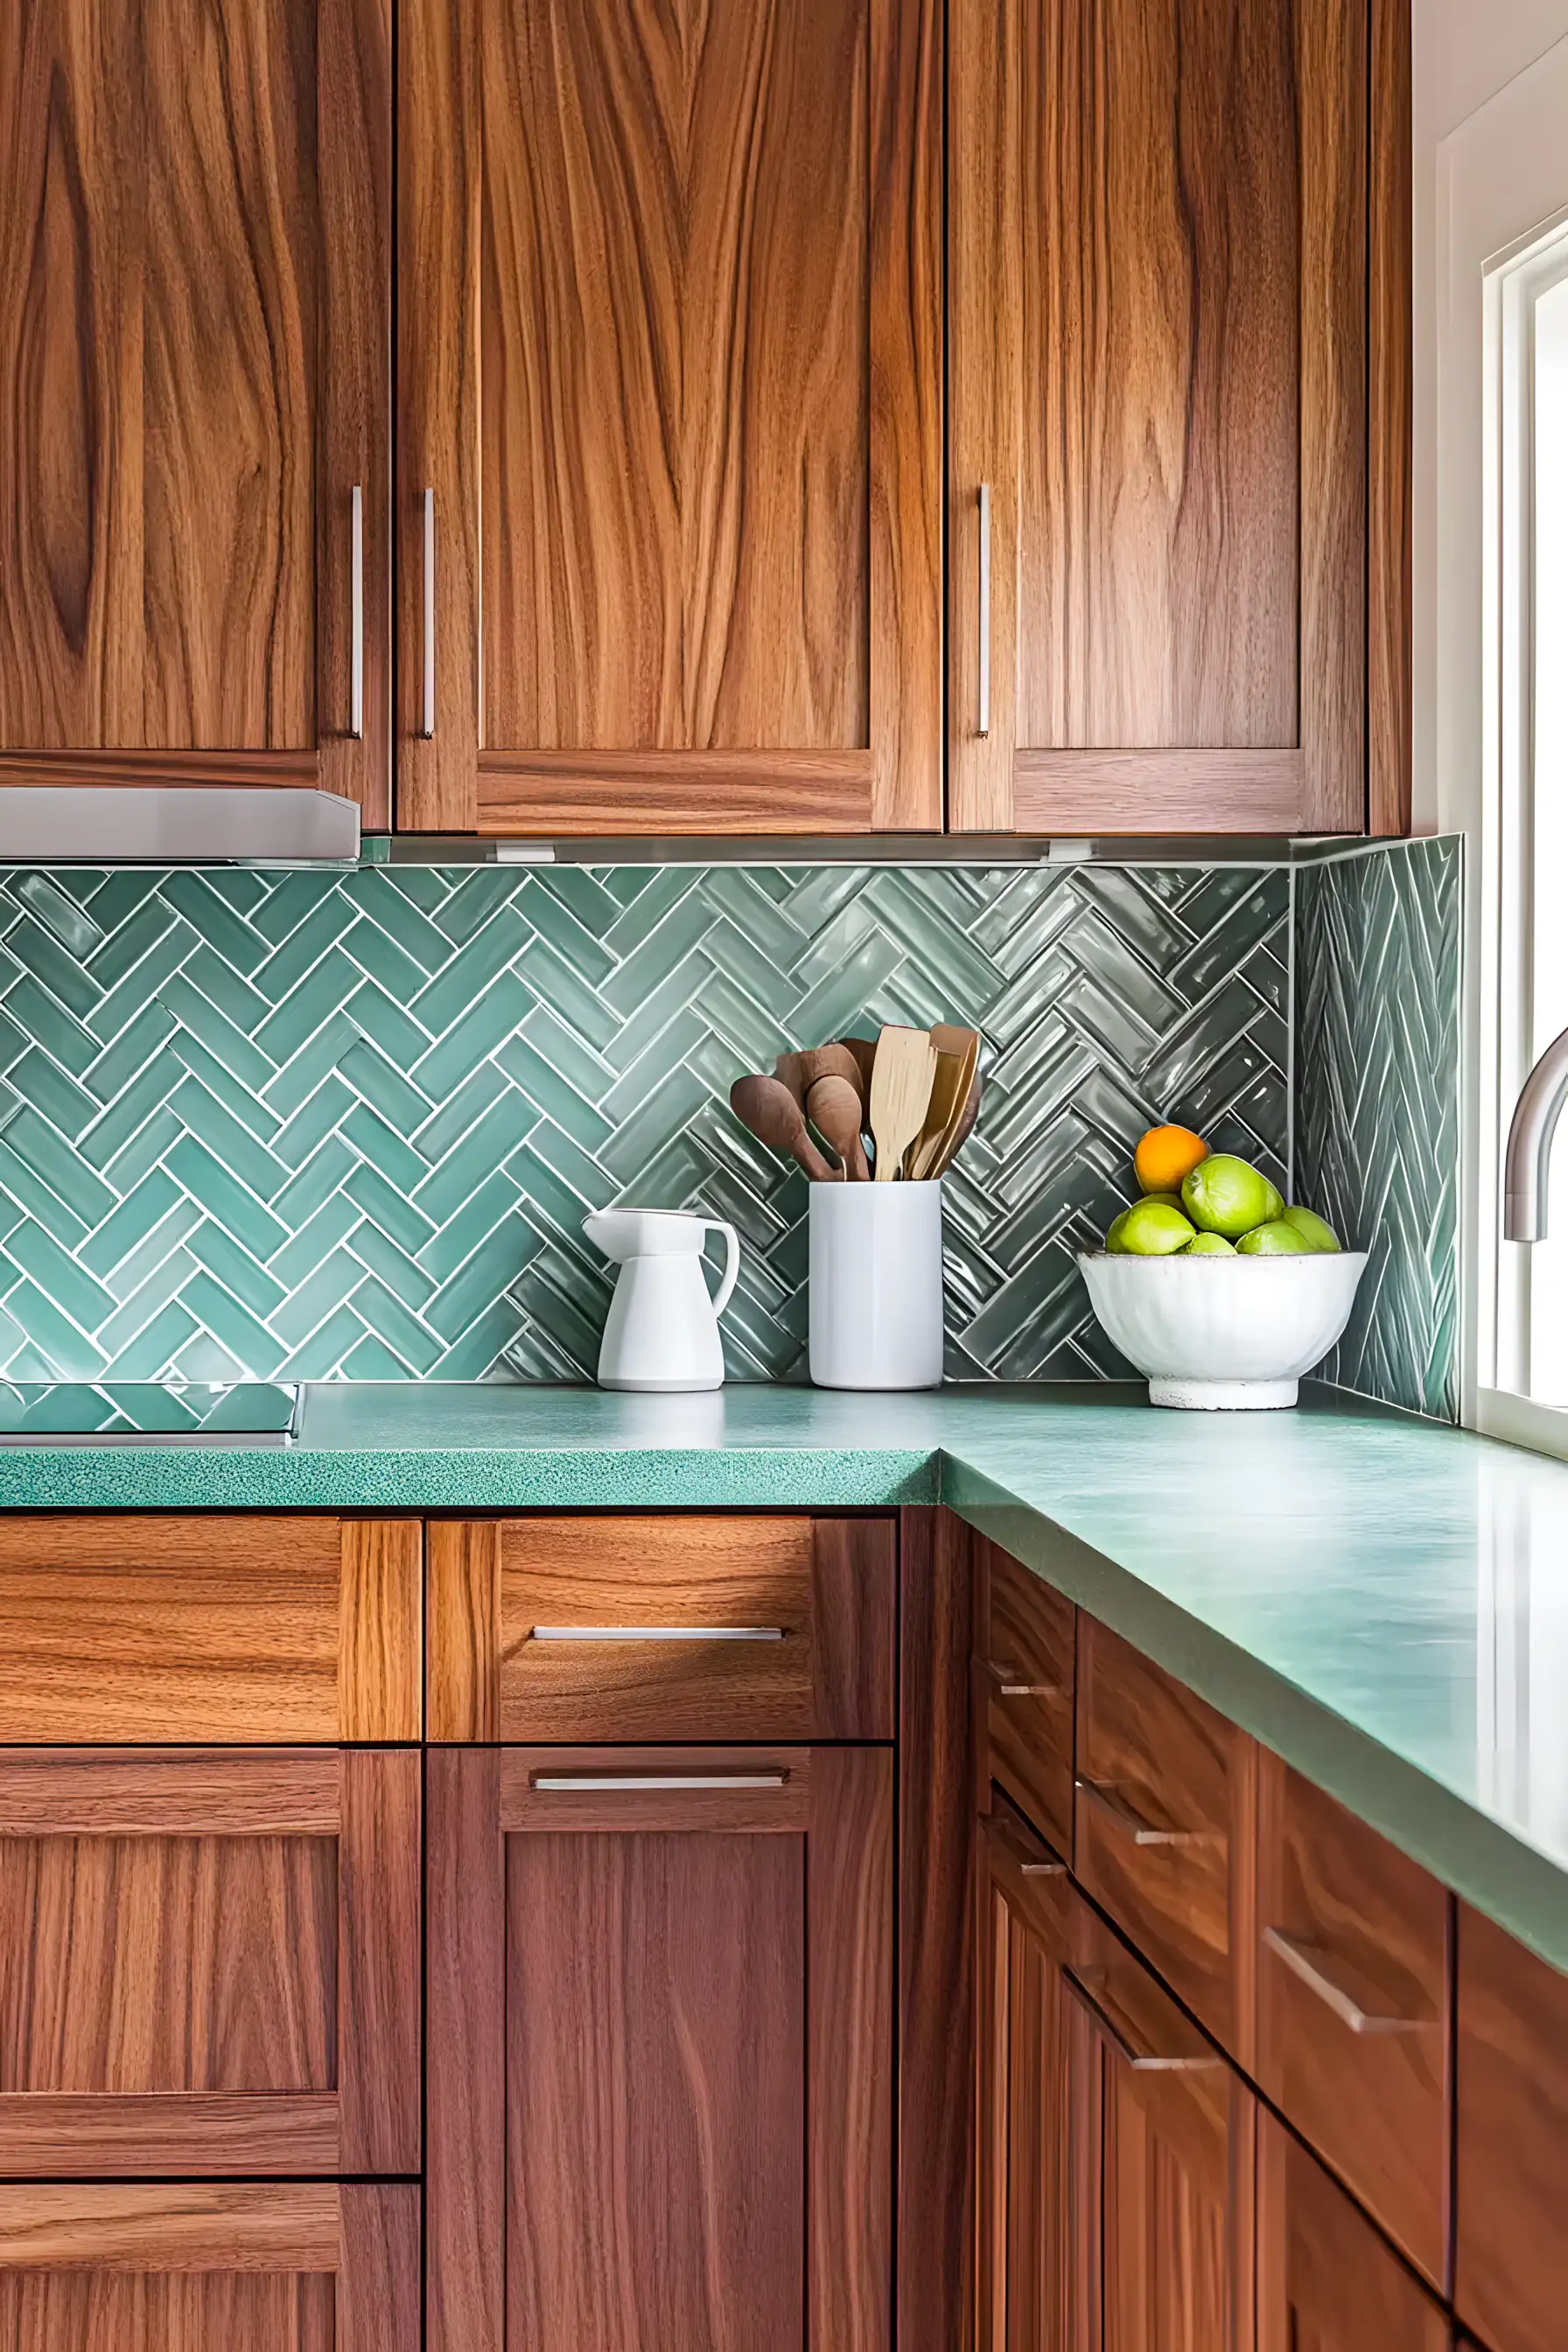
900	1089
957	1064
864	1051
775	1118
835	1111
800	1072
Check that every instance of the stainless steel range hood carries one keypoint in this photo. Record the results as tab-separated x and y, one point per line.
175	825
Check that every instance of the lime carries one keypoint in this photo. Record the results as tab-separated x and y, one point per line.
1276	1239
1153	1229
1172	1199
1312	1230
1228	1195
1114	1232
1209	1246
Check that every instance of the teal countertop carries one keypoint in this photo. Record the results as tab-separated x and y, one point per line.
1382	1601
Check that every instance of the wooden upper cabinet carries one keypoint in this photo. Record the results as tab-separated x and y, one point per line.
225	1627
195	377
668	497
1159	365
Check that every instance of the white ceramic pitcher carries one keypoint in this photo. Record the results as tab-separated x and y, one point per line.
663	1326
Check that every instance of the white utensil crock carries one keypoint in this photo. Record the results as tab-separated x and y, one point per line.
662	1330
876	1286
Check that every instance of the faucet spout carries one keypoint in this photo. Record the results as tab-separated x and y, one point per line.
1529	1160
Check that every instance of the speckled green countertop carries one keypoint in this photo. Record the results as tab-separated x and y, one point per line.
1382	1601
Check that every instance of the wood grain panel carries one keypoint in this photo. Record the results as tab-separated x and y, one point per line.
382	1629
173	1793
568	792
462	1589
1026	1641
465	1959
1326	2282
655	2179
636	1788
78	2312
378	2277
1362	1925
1389	423
86	2136
379	1974
855	1628
1159	792
210	2226
291	770
1164	1834
1331	106
1159	463
1510	2281
936	1784
147	1626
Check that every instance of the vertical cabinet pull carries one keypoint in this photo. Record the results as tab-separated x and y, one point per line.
356	607
427	714
983	724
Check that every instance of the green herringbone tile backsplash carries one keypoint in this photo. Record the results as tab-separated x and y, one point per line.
327	1127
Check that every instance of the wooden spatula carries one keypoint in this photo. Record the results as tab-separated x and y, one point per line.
958	1052
901	1079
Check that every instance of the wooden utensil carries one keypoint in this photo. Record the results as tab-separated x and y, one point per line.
803	1070
863	1051
958	1135
775	1118
958	1053
901	1079
835	1108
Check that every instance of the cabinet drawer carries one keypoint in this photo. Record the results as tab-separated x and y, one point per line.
240	1626
1025	1636
674	1626
209	1961
1164	1827
1511	2137
1352	1998
1326	2282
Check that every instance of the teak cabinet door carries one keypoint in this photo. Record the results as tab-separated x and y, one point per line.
1158	445
194	380
316	2268
209	1962
1510	2080
1326	2282
670	457
660	1990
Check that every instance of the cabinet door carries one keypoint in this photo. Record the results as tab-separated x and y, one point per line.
1158	369
1510	2080
209	1962
1326	2282
316	2268
194	380
669	386
1037	2119
660	1993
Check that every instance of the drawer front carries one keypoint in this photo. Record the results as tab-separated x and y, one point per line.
235	1626
1512	2140
1026	1636
1326	2282
665	1626
1164	1827
209	1961
1352	1998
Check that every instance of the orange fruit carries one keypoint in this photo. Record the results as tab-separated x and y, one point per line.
1165	1155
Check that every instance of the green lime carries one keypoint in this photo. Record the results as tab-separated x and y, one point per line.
1114	1232
1312	1230
1172	1199
1276	1239
1228	1195
1209	1246
1153	1229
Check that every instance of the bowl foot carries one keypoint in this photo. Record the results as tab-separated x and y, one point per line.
1223	1396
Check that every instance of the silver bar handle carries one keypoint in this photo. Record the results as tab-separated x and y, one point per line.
427	727
1010	1682
598	1783
1307	1962
1114	1807
356	594
659	1633
983	727
1143	2062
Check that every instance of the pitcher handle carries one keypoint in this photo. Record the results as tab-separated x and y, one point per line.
732	1263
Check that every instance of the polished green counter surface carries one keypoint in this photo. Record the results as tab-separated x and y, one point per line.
1382	1601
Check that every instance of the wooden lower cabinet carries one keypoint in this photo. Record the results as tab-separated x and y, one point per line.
660	2093
1115	2173
316	2267
1327	2283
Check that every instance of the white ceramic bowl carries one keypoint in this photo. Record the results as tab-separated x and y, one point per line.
1223	1333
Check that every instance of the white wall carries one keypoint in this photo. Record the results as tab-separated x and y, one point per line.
1463	51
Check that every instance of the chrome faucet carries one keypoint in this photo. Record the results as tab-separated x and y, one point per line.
1528	1162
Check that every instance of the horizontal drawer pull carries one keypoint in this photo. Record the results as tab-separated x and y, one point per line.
597	1784
1308	1963
1116	1810
1146	2061
1010	1682
658	1633
1031	1859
